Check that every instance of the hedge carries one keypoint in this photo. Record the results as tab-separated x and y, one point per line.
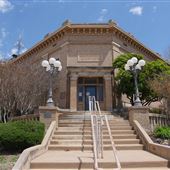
16	136
162	132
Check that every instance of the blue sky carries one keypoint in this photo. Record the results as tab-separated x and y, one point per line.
148	21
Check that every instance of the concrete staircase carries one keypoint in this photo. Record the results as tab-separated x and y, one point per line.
71	146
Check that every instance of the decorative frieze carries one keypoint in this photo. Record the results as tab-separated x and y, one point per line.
89	29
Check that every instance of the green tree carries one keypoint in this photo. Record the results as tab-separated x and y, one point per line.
125	80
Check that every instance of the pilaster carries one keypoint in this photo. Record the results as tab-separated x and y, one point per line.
108	92
73	92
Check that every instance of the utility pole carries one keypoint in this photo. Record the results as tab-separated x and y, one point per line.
19	47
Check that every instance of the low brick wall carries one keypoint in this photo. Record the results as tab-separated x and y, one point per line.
29	117
29	154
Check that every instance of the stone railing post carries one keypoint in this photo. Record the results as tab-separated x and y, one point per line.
49	114
141	114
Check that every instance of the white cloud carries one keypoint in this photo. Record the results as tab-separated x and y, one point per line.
14	51
154	9
5	6
3	34
137	10
61	1
103	13
24	50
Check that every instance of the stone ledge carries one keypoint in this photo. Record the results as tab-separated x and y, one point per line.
160	150
29	154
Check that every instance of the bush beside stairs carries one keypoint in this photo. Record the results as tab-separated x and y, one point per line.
71	147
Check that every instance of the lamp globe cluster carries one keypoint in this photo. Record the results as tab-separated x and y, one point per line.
52	63
133	62
134	66
51	66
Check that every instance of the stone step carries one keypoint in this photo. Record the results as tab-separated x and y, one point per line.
87	114
89	125
151	168
90	147
89	128
84	160
84	137
118	141
89	119
74	132
89	122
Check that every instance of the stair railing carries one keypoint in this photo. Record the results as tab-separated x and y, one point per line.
113	144
110	136
92	103
100	127
97	123
94	136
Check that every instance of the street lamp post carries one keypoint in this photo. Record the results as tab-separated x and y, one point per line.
135	66
51	66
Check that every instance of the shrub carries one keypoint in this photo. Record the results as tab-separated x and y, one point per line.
162	132
19	135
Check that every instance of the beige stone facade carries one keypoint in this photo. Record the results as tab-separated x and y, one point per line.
86	52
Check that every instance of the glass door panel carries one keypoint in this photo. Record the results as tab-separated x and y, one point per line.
89	91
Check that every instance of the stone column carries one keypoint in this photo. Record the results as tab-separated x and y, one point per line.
73	92
108	92
141	114
49	114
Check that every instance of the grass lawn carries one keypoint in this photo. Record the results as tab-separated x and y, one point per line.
7	161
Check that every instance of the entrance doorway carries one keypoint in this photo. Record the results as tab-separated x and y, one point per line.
89	86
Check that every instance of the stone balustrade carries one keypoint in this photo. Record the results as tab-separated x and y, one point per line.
158	120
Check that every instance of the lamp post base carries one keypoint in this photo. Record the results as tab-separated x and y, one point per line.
137	103
50	102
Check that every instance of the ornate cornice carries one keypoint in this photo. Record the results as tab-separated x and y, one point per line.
87	29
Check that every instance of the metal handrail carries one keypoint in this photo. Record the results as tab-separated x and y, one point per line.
94	143
92	103
113	144
98	108
97	133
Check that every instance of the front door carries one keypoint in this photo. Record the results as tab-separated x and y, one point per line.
89	91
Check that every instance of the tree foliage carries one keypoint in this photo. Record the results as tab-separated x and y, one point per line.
161	85
125	80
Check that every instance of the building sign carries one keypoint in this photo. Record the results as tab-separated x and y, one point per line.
47	114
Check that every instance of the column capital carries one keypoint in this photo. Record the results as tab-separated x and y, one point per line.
73	77
107	77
